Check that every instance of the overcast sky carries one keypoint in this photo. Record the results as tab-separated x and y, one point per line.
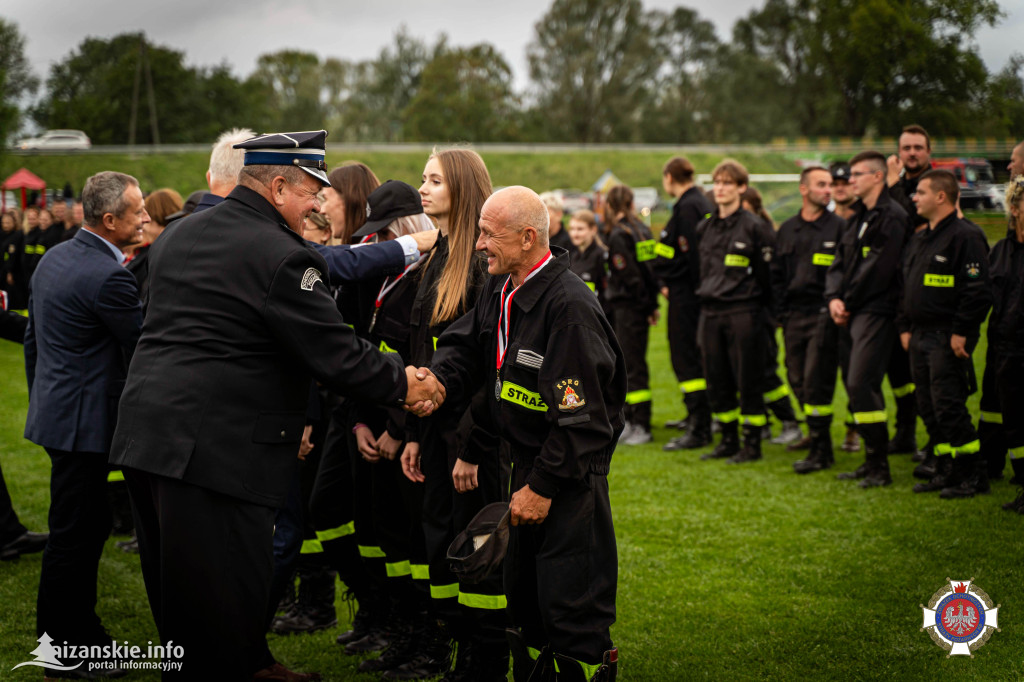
237	32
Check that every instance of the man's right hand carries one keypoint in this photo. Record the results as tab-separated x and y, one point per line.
837	309
425	393
893	167
425	240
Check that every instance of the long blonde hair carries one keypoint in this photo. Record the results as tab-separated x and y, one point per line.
469	185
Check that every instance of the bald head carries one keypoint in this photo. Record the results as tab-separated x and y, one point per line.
517	208
1016	166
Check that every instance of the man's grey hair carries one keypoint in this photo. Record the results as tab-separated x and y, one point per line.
225	162
264	175
524	208
104	193
552	201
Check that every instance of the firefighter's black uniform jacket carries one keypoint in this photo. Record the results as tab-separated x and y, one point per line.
803	253
1006	342
556	401
591	265
735	253
630	282
678	263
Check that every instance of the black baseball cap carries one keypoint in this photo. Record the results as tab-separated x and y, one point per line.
392	200
840	171
478	551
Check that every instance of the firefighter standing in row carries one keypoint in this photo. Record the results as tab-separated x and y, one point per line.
735	295
805	247
538	334
678	268
946	296
862	290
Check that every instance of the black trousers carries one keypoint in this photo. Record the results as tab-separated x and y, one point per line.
79	522
821	361
902	384
845	350
632	331
990	423
942	389
1010	386
776	391
798	334
683	317
10	527
561	575
872	337
207	561
732	344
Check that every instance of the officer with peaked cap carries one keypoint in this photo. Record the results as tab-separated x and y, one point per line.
239	322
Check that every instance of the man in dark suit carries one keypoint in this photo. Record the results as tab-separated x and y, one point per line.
84	316
239	321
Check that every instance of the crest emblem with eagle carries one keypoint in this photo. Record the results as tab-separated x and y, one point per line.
960	617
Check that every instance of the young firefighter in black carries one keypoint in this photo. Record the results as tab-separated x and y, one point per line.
946	296
539	343
633	298
805	247
588	257
678	268
735	297
862	288
1006	333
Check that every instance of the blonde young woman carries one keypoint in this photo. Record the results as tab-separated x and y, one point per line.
456	461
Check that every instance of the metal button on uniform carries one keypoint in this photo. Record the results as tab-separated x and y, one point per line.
282	434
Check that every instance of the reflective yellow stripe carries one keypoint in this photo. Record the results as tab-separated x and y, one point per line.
514	393
693	385
992	417
371	552
736	260
818	410
592	286
397	569
335	533
435	343
664	250
942	449
311	547
634	397
905	389
534	653
115	476
482	601
444	591
645	250
825	259
943	281
877	417
727	417
864	251
385	348
753	419
779	393
420	572
967	448
1016	453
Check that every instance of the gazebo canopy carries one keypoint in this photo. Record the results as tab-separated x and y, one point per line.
22	179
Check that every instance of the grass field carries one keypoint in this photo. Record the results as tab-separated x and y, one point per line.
725	572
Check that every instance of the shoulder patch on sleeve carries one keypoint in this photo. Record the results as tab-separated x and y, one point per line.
619	261
571	394
309	278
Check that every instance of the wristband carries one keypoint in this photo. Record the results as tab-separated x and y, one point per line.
358	426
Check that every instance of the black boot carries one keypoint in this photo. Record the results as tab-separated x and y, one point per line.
751	451
570	670
698	434
940	479
479	661
385	622
878	469
432	657
314	606
927	468
859	472
1018	471
406	630
728	446
904	442
820	456
993	448
525	668
1016	504
974	478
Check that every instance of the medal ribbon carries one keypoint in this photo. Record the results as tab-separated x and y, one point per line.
505	308
388	285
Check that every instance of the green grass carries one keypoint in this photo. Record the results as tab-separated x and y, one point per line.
725	572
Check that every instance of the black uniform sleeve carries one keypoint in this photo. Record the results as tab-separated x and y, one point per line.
975	297
300	312
761	265
459	360
635	277
780	270
582	358
12	326
837	271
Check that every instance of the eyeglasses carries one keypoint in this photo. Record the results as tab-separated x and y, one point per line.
857	174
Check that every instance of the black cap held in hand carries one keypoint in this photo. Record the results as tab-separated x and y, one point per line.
392	200
478	551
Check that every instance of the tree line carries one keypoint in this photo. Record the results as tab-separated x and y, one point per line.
599	71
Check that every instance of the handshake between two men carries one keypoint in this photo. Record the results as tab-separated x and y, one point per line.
425	393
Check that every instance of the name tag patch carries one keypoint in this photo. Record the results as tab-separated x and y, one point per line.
938	280
309	278
825	259
735	260
514	393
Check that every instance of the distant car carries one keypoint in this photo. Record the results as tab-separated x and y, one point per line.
645	200
57	139
574	200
